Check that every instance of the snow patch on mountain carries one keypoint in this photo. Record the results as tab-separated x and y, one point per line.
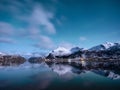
102	46
60	51
115	47
108	45
1	53
75	49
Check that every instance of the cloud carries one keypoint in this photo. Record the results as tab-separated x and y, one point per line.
33	14
6	40
40	19
12	8
37	22
44	43
60	20
6	29
83	38
66	45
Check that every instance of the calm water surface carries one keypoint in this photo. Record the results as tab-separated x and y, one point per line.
56	77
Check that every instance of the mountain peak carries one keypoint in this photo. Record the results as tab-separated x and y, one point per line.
75	49
104	46
1	53
61	51
108	45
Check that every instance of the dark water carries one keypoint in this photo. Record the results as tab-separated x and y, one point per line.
57	77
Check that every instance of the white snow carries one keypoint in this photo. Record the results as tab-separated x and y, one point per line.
108	45
102	46
1	53
60	51
75	49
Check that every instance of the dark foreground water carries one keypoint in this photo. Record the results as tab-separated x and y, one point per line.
57	77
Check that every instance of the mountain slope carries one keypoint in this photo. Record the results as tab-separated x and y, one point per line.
115	47
100	47
1	53
75	49
60	51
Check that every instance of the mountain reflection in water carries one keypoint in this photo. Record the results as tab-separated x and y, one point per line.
57	76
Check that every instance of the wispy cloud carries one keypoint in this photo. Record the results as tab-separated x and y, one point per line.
6	40
35	15
42	18
6	29
61	20
37	18
44	43
66	45
83	38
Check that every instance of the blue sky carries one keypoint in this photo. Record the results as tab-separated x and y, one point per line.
42	25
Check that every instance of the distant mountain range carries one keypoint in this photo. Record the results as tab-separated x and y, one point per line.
102	56
104	46
61	51
106	50
1	53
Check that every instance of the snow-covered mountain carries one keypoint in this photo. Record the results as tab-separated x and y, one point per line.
1	53
75	49
102	46
61	51
116	46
